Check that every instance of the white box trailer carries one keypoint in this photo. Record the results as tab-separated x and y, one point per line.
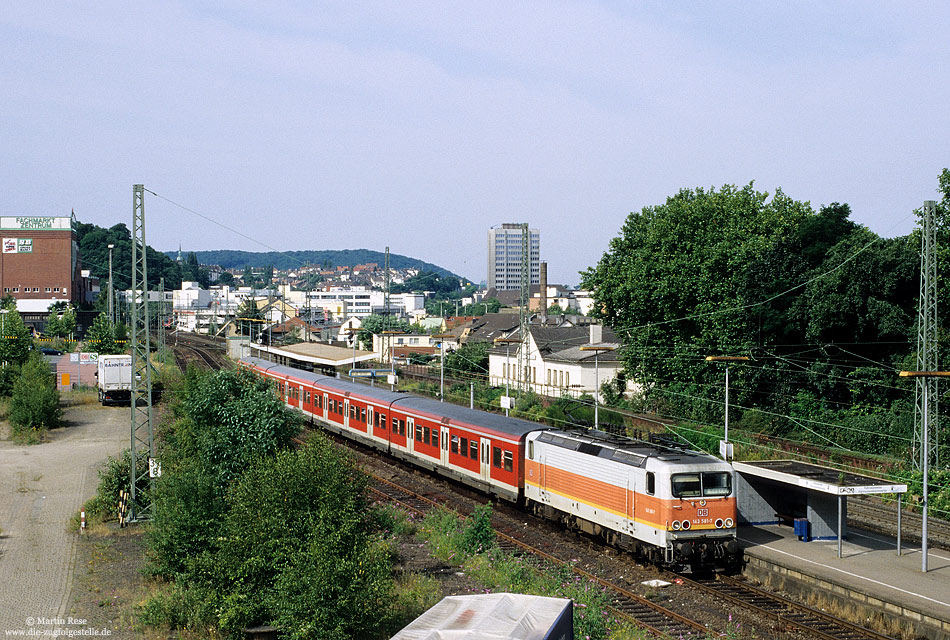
115	379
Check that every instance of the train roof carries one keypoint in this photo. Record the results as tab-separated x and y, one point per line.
621	448
463	415
380	393
437	410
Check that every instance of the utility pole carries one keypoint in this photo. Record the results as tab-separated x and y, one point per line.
111	308
386	290
725	448
161	318
927	343
523	313
441	338
141	398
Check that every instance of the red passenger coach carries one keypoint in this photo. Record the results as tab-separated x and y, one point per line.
481	449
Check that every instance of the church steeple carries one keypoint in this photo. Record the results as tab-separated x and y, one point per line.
179	253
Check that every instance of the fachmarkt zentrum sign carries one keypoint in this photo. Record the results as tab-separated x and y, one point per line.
36	223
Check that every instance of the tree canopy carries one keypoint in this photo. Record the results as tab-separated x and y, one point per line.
822	306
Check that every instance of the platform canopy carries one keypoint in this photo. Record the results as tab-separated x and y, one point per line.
822	479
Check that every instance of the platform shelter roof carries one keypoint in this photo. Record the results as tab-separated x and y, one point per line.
817	478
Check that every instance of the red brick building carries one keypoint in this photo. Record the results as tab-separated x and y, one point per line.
40	259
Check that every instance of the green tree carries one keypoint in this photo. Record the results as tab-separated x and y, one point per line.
34	405
469	358
376	324
61	321
101	336
16	341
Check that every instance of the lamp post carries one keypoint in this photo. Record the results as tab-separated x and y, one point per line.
596	349
353	331
725	449
111	309
925	453
507	342
441	337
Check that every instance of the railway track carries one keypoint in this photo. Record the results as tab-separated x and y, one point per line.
535	549
871	514
189	348
815	623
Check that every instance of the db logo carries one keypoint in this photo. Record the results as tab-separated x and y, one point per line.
702	512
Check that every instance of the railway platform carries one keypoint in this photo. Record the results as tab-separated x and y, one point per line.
869	577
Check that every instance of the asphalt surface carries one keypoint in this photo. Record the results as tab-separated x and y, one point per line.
41	487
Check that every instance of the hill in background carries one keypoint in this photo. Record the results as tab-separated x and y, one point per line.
283	260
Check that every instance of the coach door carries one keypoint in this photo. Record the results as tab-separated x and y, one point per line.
630	524
486	459
326	403
370	423
410	434
542	479
346	412
444	446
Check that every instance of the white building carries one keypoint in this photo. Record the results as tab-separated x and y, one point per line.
504	256
558	361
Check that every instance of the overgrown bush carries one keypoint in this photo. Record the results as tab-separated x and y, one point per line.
113	478
34	406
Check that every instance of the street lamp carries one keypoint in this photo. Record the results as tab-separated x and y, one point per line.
925	453
724	452
441	337
596	349
111	310
352	331
507	342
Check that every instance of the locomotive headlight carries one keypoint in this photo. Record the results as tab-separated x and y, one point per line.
729	523
719	523
676	525
685	525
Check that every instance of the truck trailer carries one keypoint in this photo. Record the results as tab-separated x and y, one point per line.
115	379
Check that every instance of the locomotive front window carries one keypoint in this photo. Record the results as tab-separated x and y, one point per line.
707	485
687	485
717	484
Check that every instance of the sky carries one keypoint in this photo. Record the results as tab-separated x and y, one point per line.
420	125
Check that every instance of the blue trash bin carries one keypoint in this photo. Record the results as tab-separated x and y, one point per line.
801	529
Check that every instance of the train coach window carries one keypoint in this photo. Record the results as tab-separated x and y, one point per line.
463	447
496	457
687	485
363	416
651	483
402	427
395	425
473	450
306	400
508	461
435	437
381	421
419	431
455	444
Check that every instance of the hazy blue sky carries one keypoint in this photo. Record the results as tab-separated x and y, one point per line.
419	125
